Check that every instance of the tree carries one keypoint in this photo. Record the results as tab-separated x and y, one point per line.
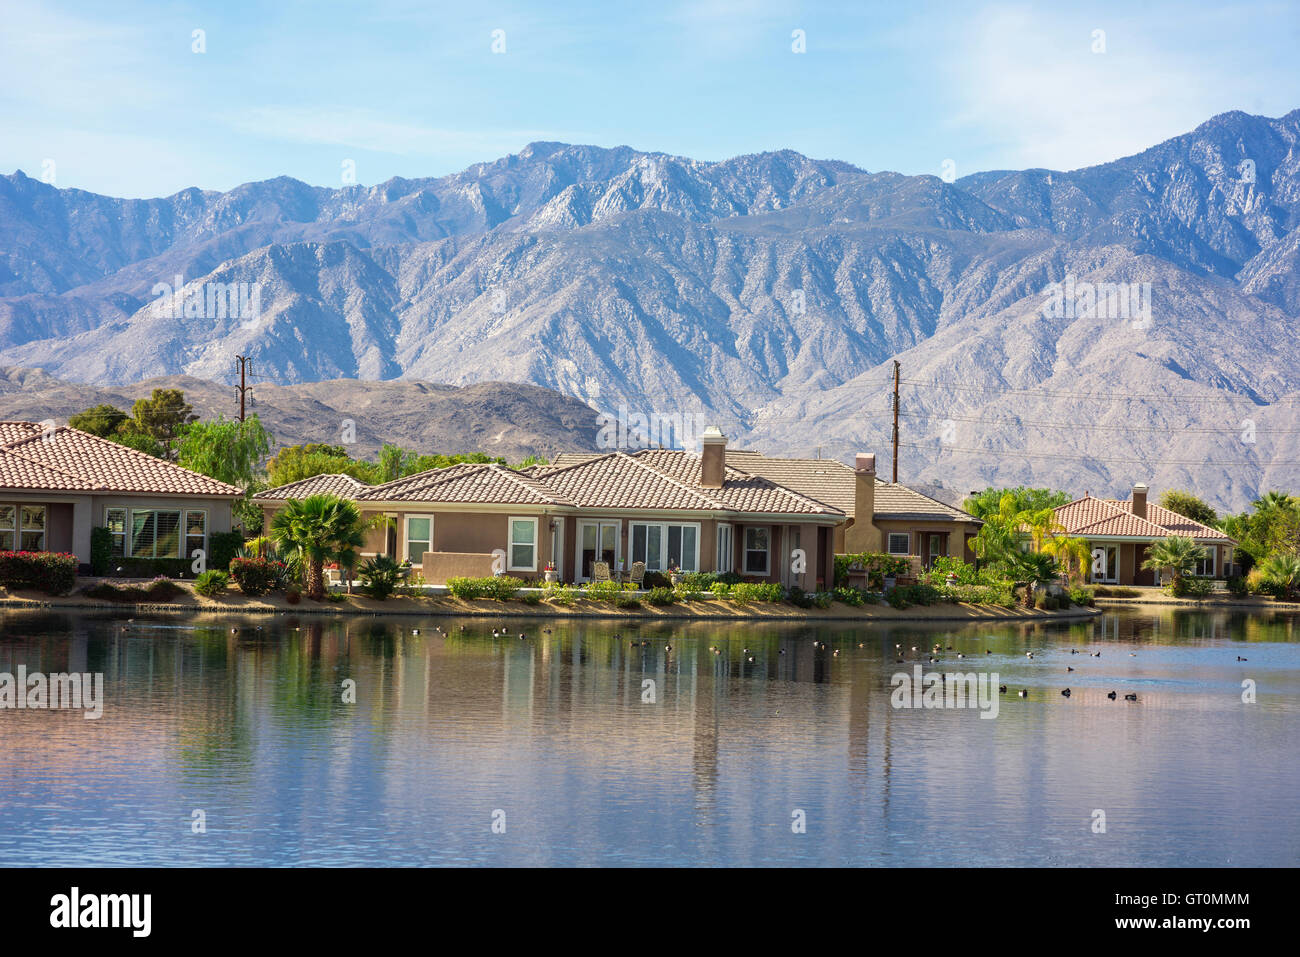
227	450
1282	574
1072	553
162	415
1189	506
1177	553
1271	528
1041	523
296	462
102	420
1023	499
139	441
319	528
1036	568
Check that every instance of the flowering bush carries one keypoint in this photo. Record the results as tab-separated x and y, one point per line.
256	576
51	572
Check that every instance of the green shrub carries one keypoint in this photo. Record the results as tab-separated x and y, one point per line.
532	598
918	594
1237	587
51	572
222	547
1189	587
720	589
101	550
257	576
626	600
656	580
559	593
106	591
742	592
1110	591
496	587
661	596
163	588
334	596
212	583
1080	595
380	576
853	597
877	565
997	593
604	591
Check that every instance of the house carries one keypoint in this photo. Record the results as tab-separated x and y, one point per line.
57	483
693	511
1119	532
902	521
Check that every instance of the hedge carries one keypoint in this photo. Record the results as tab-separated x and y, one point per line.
51	572
497	587
877	565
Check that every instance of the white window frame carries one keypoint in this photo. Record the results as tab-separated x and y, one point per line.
406	536
14	544
180	531
1211	559
511	543
889	543
23	528
663	527
767	552
730	548
126	527
186	547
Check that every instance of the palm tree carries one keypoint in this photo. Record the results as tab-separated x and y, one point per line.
1282	572
1073	553
1041	523
319	528
1177	553
1273	500
1036	568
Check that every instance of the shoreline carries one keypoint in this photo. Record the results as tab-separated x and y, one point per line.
1254	604
447	607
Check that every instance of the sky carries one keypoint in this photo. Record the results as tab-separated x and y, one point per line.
147	98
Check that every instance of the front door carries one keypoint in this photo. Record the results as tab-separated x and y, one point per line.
935	544
597	542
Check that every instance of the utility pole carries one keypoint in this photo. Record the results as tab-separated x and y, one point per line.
245	364
896	368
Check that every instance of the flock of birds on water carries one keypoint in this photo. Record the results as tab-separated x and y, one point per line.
501	633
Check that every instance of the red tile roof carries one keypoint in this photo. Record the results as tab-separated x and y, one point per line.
1090	517
67	459
345	486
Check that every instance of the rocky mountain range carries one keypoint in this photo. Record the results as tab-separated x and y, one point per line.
767	293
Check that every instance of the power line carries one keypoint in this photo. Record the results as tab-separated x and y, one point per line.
1103	396
1094	428
1017	453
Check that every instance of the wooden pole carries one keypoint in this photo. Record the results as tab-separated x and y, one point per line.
896	368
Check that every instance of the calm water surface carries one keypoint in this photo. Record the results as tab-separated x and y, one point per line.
251	728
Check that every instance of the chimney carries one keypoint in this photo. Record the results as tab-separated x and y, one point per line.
713	457
861	534
1140	500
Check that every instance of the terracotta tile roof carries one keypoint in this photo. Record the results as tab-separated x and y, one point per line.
1103	517
470	484
345	486
67	459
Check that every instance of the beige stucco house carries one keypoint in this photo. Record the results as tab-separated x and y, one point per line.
58	483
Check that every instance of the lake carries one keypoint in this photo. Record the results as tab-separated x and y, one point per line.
324	740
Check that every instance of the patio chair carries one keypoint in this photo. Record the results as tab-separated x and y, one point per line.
600	571
637	575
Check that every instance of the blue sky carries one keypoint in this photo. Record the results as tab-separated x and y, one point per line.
115	96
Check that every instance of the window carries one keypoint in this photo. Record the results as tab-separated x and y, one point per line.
196	532
1205	567
8	527
31	534
419	537
724	558
523	545
900	543
155	533
662	546
757	541
115	522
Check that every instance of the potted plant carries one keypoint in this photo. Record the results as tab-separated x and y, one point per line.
549	573
674	575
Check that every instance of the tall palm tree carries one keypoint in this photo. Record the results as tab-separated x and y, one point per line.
320	528
1041	523
1177	553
